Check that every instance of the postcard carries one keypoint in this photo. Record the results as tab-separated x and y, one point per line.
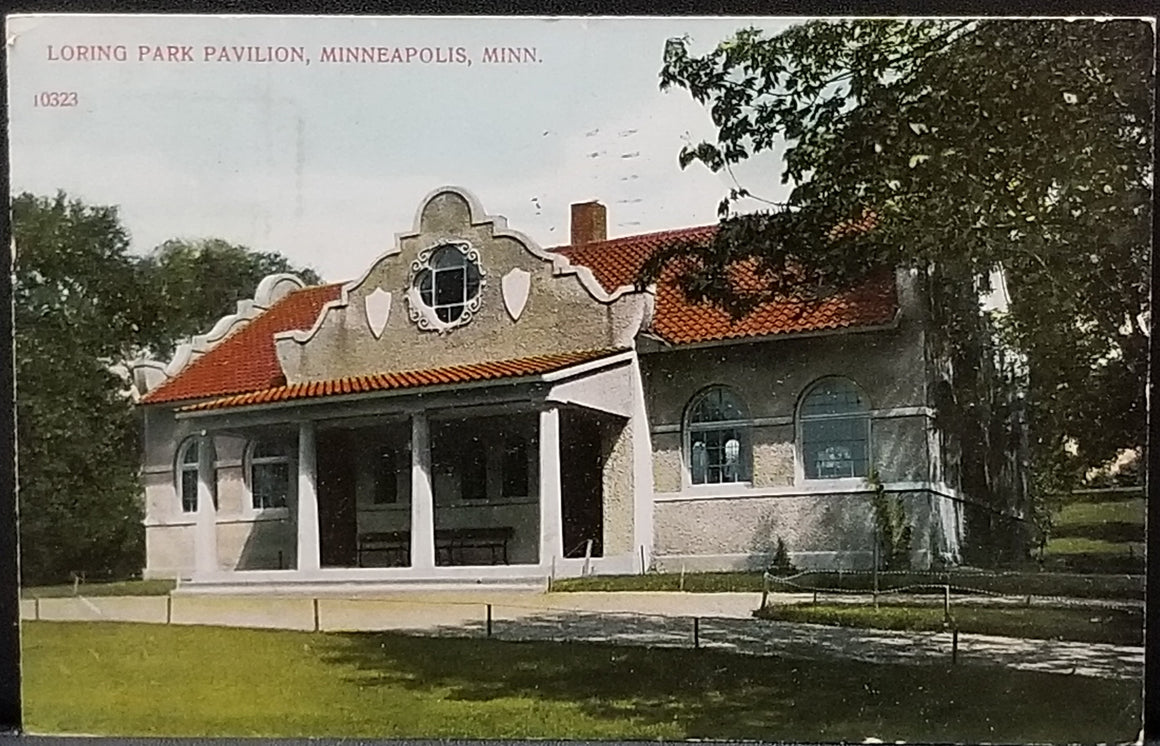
778	379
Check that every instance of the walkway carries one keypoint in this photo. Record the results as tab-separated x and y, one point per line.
650	619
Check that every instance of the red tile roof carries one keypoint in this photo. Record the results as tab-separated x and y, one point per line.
617	262
246	360
245	363
452	374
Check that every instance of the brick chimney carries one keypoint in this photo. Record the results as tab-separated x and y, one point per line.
589	223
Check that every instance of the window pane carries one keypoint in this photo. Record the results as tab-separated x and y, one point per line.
424	283
448	257
473	277
833	449
833	396
719	456
700	462
271	483
449	284
449	313
267	449
189	490
717	405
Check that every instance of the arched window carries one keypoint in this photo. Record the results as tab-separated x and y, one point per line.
717	438
187	475
269	474
835	430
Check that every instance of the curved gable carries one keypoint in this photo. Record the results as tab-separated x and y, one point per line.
530	302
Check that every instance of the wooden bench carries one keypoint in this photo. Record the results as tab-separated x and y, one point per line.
395	544
456	546
453	546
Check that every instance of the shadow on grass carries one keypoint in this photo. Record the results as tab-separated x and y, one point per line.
714	694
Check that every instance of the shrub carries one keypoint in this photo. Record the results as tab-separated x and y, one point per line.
782	565
891	527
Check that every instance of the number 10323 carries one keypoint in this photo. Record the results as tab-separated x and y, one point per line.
54	99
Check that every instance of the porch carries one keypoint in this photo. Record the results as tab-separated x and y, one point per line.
503	485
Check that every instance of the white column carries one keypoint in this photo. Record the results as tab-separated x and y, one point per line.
642	474
308	558
551	525
205	537
422	494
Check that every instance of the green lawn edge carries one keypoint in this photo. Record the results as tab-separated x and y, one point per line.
1105	625
124	679
121	588
1013	584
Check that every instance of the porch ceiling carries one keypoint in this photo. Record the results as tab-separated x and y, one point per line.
517	368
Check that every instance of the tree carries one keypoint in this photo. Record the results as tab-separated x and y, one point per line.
955	148
82	302
194	283
77	450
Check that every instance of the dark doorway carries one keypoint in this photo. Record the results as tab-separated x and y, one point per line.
581	484
337	519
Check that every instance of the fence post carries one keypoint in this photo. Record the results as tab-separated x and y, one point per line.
955	645
316	626
36	606
697	632
876	573
489	620
587	559
169	609
947	603
764	589
681	583
643	569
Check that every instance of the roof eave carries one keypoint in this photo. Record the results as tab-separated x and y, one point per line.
658	344
549	377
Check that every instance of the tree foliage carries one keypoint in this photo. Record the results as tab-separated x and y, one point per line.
82	301
193	283
77	450
955	148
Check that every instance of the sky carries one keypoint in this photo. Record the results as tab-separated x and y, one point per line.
325	162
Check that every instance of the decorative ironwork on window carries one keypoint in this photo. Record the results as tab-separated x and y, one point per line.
717	438
446	281
835	430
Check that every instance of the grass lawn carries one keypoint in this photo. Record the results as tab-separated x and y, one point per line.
699	582
123	588
1119	626
1016	584
1120	511
1081	545
145	680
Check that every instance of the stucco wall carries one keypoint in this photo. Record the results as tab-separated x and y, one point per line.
247	539
561	314
773	456
823	531
771	376
617	480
